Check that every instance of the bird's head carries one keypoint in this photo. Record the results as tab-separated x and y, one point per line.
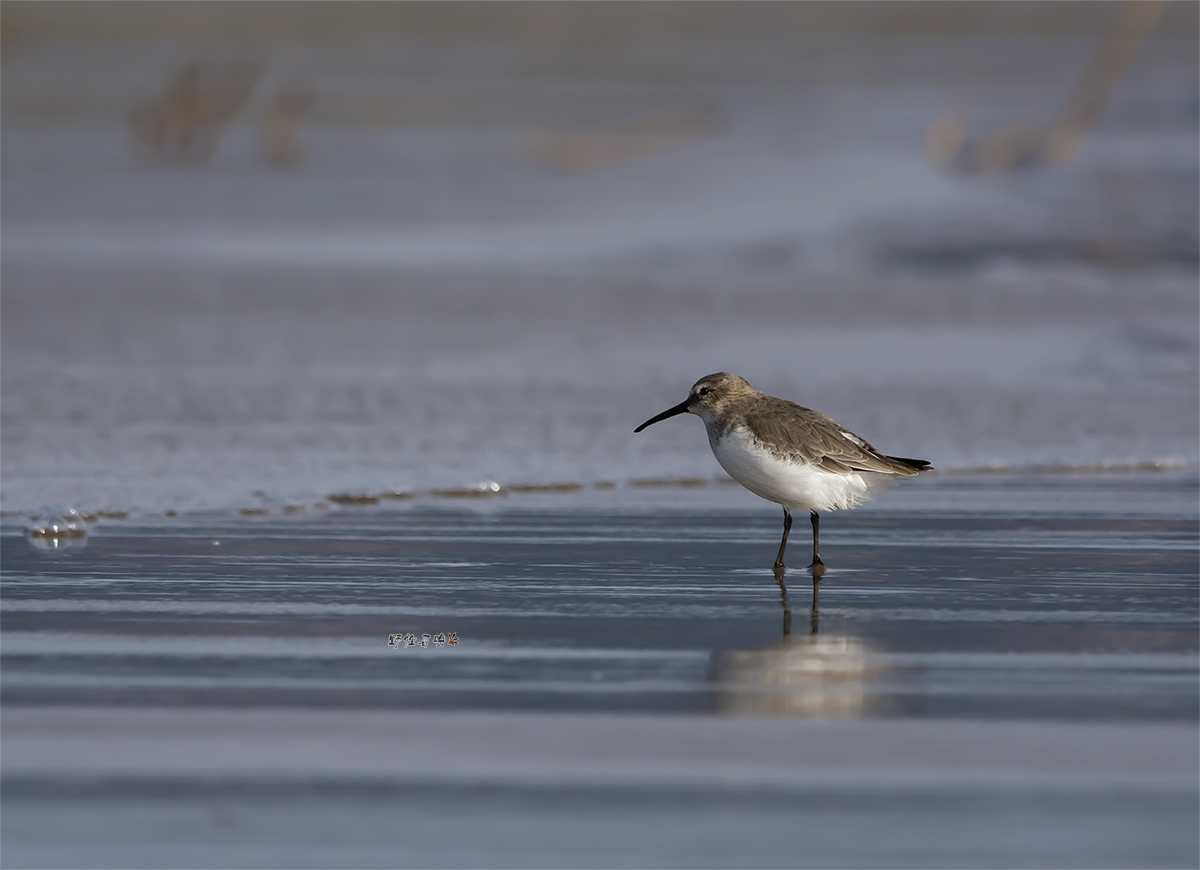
708	397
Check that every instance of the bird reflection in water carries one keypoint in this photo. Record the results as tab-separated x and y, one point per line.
818	571
804	675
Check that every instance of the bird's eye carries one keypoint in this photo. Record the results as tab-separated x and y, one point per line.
704	391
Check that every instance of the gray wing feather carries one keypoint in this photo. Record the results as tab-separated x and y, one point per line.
791	430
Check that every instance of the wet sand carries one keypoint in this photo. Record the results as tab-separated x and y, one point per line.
1001	671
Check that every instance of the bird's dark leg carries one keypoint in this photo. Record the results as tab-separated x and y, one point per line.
787	527
816	524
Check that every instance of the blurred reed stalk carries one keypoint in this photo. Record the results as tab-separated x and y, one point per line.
1018	145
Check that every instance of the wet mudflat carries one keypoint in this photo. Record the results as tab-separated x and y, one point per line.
1001	671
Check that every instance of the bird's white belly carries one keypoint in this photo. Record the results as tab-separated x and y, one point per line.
795	485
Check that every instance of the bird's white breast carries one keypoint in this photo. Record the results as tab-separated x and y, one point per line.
794	484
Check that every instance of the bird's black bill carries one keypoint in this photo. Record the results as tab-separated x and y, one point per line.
681	408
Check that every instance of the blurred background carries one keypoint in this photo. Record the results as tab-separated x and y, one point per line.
258	254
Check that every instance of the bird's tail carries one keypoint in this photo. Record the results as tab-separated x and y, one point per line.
917	465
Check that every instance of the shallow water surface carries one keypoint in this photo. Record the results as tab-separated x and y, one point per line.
611	603
1000	670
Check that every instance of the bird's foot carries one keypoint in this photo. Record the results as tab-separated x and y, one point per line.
817	568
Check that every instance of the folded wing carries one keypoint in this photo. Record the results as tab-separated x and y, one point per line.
813	438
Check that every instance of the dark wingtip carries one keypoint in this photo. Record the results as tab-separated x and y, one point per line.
914	464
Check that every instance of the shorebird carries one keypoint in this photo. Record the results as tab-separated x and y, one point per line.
787	454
